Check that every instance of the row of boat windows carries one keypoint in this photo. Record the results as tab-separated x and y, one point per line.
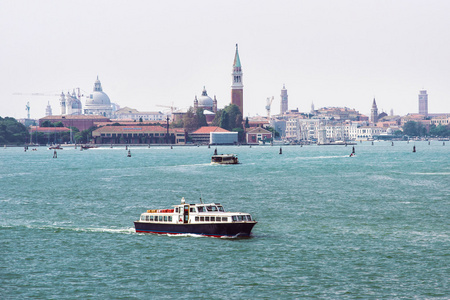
198	219
212	219
241	218
157	218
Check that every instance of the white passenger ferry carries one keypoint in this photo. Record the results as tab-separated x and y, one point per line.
205	219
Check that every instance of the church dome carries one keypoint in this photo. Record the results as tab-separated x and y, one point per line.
98	97
204	100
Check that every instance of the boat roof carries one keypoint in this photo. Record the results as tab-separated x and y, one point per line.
197	204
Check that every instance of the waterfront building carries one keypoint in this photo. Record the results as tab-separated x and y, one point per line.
127	113
284	101
279	124
374	112
339	113
237	88
98	102
441	119
365	133
292	131
137	134
423	103
203	134
82	122
257	135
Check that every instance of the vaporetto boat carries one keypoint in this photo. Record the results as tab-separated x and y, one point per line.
205	219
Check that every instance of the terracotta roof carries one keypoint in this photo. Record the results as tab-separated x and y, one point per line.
259	130
48	129
75	117
128	122
209	129
129	129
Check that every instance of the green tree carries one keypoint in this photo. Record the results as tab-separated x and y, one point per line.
47	123
190	122
410	128
12	132
230	117
440	130
201	118
224	120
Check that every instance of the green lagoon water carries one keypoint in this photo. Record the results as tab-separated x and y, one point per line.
330	226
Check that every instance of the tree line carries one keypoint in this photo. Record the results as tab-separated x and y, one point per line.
412	128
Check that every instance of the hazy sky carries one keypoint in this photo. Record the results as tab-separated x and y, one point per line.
148	53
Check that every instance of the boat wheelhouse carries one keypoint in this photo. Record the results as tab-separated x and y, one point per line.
204	219
225	159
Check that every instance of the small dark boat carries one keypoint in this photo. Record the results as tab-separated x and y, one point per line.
225	159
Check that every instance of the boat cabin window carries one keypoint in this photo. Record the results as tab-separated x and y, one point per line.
170	218
202	219
220	208
160	218
241	218
151	218
176	209
193	210
142	218
207	219
224	219
201	209
147	218
213	219
165	218
211	208
249	218
234	218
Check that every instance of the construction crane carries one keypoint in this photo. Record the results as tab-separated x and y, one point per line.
35	94
172	108
48	94
268	104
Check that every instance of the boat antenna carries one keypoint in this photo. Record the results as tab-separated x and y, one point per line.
201	196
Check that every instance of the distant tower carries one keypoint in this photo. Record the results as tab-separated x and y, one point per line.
423	103
195	103
48	110
374	112
63	103
237	88
392	112
284	101
312	108
214	104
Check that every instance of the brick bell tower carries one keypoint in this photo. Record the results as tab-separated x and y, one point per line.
237	88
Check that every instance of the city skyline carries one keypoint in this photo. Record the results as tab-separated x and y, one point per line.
149	53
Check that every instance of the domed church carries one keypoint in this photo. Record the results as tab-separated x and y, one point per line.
205	102
98	102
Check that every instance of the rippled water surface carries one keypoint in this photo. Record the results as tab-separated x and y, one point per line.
329	226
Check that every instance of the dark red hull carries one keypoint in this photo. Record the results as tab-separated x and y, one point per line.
214	229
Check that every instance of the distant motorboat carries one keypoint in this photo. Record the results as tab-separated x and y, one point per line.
55	147
225	159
